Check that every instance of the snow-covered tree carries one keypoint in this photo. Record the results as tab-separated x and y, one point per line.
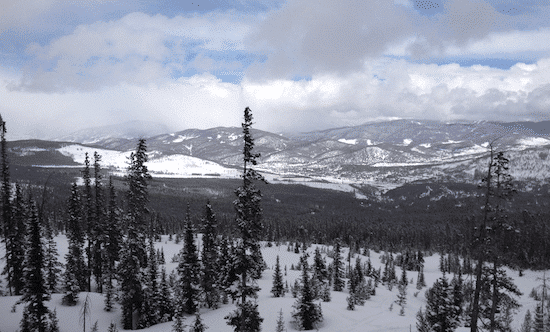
278	288
198	325
307	314
338	282
133	254
151	292
280	322
35	293
188	270
209	260
441	313
52	264
165	304
248	257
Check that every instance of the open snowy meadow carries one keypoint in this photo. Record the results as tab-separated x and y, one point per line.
375	315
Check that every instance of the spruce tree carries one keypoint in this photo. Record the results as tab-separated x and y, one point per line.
338	269
19	244
527	324
307	313
280	322
88	218
112	327
198	325
151	292
165	304
52	264
133	254
113	237
278	289
249	260
209	260
188	270
441	313
99	226
8	227
35	292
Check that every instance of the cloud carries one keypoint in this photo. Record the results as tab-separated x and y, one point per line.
394	89
138	49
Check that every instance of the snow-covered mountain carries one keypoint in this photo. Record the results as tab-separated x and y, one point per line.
127	130
383	155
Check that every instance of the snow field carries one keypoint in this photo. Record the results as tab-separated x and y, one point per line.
373	316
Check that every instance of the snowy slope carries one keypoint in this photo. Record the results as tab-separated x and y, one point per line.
159	165
373	316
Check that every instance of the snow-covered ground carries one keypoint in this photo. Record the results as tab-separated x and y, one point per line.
373	316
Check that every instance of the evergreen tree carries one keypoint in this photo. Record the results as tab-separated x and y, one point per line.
307	313
278	289
420	282
88	218
151	292
35	292
54	322
99	226
319	267
209	260
18	241
198	325
52	264
112	328
280	322
539	320
527	324
165	306
113	238
188	270
338	269
422	324
74	259
178	325
440	311
9	228
133	254
249	260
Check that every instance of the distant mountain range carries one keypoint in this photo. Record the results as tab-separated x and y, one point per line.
380	156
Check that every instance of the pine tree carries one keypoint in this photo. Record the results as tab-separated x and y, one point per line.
113	238
539	320
278	288
54	322
18	240
420	282
75	236
178	325
88	218
99	226
209	260
53	266
280	322
112	328
35	293
9	227
249	260
527	324
307	313
198	325
151	292
165	305
422	324
188	270
440	311
133	254
338	272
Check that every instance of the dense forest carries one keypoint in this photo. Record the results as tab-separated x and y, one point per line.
112	222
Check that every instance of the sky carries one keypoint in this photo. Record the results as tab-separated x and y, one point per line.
300	65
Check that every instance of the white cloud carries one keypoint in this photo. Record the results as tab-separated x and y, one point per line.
137	49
